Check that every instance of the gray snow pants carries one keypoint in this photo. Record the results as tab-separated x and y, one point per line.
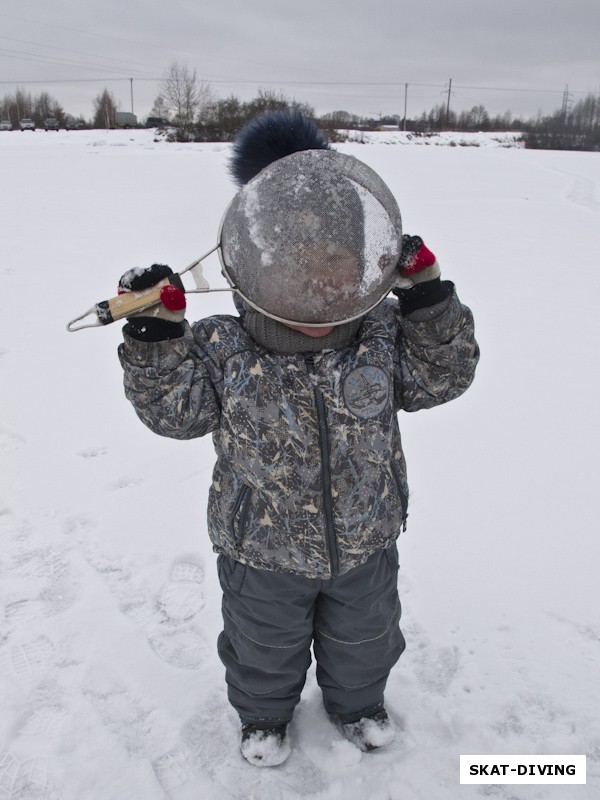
272	619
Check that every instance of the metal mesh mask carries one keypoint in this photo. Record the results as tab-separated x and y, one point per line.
313	239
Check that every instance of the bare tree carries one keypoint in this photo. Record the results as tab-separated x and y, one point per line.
341	119
160	108
184	94
23	103
44	105
105	107
271	100
221	120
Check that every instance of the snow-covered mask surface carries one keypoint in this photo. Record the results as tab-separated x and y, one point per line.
313	239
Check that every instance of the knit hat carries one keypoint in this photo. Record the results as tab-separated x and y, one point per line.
271	136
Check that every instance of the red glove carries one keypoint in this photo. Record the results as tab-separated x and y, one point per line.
417	263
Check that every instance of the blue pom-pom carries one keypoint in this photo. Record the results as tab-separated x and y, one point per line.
269	137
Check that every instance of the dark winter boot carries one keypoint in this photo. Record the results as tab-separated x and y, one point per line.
265	747
369	733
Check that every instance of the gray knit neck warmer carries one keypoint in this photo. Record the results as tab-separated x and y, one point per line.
279	338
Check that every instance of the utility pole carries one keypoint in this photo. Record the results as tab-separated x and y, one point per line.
448	104
405	102
131	83
566	104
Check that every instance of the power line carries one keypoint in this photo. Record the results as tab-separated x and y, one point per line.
74	80
511	89
75	30
39	58
76	52
399	85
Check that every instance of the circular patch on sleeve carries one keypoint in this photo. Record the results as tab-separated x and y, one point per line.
366	391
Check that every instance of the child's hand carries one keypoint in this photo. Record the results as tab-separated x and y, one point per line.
163	320
418	284
417	263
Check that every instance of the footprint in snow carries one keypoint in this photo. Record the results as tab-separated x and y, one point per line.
168	619
25	770
185	649
181	599
509	725
46	721
78	526
187	568
134	724
140	730
38	584
26	779
125	482
437	668
536	716
182	596
28	661
173	770
24	612
93	452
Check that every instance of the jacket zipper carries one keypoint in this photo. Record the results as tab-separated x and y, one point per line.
324	444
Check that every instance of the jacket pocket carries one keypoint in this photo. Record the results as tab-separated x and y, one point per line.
402	493
239	515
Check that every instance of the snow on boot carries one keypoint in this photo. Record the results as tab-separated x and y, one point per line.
265	747
369	733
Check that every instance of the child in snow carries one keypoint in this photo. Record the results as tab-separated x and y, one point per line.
309	491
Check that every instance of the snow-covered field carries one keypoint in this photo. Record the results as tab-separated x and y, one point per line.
109	603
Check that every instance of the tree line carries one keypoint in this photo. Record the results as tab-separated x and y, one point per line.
23	105
577	128
198	115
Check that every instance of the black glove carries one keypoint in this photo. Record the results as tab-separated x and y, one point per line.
161	321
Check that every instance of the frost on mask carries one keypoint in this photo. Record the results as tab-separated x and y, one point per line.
313	239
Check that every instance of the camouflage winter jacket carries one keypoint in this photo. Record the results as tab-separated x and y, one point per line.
310	476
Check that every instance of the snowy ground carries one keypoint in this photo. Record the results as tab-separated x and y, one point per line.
109	604
445	138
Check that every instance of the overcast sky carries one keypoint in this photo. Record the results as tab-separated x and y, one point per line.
355	55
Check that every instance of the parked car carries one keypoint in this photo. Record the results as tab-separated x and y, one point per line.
158	122
5	125
72	124
27	125
51	124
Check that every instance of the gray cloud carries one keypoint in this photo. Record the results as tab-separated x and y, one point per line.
333	55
